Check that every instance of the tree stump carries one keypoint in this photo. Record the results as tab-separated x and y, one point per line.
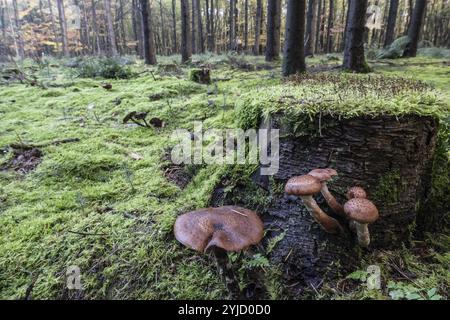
202	75
389	157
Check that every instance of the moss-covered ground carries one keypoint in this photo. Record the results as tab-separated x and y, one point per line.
105	204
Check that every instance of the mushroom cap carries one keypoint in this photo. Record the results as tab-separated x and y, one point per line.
361	210
231	228
323	174
356	192
303	185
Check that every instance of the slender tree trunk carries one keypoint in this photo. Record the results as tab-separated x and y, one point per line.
18	27
415	28
174	27
208	25
123	33
294	53
232	26
63	26
322	26
330	27
258	25
354	58
246	25
186	41
194	27
311	28
273	30
149	45
112	49
3	20
95	28
392	19
319	23
213	19
200	36
163	34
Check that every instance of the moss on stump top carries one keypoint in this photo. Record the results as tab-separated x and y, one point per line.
343	95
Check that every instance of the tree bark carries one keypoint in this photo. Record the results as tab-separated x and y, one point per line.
390	157
163	34
354	58
329	27
18	26
112	46
415	27
149	45
95	28
246	26
186	41
63	26
258	24
200	36
194	27
174	27
273	30
318	25
232	26
294	53
311	28
392	20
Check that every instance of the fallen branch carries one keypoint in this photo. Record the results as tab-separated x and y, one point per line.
42	145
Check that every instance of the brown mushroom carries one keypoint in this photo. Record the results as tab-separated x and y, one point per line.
356	192
325	175
363	212
223	229
305	187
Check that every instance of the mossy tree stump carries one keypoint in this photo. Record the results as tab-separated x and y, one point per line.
201	75
390	157
378	132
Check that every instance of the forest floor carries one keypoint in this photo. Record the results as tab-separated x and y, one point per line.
106	199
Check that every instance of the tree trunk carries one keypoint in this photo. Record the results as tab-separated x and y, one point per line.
415	27
95	28
311	28
63	26
294	53
329	27
354	58
186	41
390	157
123	34
273	30
149	46
163	34
392	20
174	27
318	25
18	25
246	26
258	24
112	46
200	36
232	26
193	27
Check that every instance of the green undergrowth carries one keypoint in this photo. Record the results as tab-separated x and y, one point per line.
105	204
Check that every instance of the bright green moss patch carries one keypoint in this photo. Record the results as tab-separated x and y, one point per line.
341	95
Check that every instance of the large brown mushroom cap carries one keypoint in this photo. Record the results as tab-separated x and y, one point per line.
361	210
303	186
356	192
231	228
323	174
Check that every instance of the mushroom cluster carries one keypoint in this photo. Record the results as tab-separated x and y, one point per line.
358	209
220	230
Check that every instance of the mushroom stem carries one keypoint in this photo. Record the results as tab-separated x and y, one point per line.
363	234
331	200
226	270
328	223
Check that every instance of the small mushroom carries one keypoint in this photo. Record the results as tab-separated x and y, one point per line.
305	187
223	229
107	86
325	175
356	192
363	212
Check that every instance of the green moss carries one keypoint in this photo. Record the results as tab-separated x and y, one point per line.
388	188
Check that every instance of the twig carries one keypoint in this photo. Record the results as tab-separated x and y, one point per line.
86	233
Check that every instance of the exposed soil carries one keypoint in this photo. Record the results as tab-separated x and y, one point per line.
178	174
24	160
